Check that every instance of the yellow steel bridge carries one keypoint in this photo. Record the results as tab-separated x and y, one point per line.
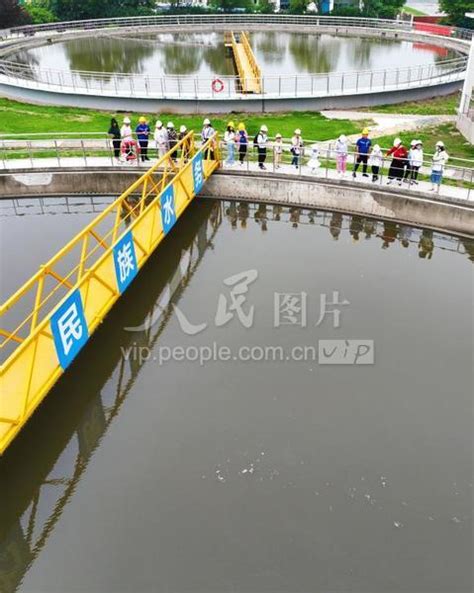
51	317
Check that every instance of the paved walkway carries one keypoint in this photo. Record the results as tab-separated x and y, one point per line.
37	165
387	124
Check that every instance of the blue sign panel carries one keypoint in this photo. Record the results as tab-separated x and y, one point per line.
125	261
69	329
168	212
198	173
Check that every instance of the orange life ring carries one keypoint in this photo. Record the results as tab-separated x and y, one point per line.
217	85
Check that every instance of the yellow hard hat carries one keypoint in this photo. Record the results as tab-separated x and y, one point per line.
142	119
365	132
230	124
241	127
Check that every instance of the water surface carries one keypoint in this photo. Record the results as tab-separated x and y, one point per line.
256	476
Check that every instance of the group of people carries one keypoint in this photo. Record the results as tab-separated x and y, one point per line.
404	166
166	138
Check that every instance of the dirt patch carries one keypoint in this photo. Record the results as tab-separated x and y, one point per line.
79	118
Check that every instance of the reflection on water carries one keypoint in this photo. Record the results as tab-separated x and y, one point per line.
358	478
204	54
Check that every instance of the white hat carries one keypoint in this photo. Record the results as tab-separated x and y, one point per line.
264	128
278	136
439	143
159	124
413	142
377	147
297	131
418	142
397	141
126	120
170	124
182	129
342	138
206	122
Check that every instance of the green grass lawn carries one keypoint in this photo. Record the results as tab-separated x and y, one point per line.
456	145
24	118
413	11
438	106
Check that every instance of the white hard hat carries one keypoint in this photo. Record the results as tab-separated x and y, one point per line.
159	124
297	131
419	142
342	138
264	128
170	124
413	142
182	129
397	141
439	143
207	122
126	120
377	147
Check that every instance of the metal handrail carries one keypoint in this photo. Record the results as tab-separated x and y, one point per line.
39	157
231	19
117	84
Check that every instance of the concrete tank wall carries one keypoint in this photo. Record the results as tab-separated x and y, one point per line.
382	202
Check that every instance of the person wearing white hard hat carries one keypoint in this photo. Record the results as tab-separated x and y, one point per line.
415	157
399	156
408	169
172	139
440	158
341	155
126	129
277	150
207	133
375	162
314	163
161	139
260	141
185	143
296	148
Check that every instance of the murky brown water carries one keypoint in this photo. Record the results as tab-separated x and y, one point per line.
203	55
276	475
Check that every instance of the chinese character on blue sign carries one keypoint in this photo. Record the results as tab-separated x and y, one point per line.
198	173
125	261
168	212
69	329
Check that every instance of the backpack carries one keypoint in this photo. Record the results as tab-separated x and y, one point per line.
255	140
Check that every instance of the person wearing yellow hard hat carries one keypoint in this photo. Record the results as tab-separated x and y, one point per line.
242	141
229	139
363	146
143	133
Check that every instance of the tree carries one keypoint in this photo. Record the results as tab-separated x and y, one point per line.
230	5
12	14
40	12
385	9
95	9
456	11
298	6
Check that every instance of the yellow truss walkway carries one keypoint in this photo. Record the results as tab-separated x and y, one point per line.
51	317
248	70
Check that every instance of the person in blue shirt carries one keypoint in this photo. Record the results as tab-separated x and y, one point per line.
143	132
362	154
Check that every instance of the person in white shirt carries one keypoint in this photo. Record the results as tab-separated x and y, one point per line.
314	162
376	162
277	150
126	129
261	141
296	148
415	157
161	139
229	139
207	132
341	155
440	158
